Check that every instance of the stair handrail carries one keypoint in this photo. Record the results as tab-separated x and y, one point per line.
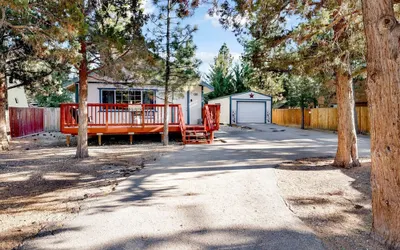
182	124
208	124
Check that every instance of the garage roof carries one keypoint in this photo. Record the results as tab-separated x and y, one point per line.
222	97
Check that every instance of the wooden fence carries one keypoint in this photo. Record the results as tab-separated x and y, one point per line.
51	119
321	118
25	121
290	117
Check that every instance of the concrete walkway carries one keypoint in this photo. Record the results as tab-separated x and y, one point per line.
221	196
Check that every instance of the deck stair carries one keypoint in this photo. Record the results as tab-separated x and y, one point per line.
197	135
204	133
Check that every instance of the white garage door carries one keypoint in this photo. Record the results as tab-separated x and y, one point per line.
251	112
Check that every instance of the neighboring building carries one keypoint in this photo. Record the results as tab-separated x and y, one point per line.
247	107
16	97
109	91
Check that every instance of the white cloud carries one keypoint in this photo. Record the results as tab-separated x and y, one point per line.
206	57
214	20
148	6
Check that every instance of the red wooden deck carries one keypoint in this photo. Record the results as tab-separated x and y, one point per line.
139	119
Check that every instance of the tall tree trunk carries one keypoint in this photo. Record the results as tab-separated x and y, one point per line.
4	145
82	150
347	152
167	76
302	117
383	35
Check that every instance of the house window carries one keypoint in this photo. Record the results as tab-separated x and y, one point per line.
149	97
107	96
128	96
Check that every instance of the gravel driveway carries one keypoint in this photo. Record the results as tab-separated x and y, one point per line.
220	196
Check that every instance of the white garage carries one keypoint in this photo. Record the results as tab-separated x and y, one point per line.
247	107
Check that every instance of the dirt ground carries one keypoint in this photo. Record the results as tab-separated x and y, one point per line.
335	203
42	184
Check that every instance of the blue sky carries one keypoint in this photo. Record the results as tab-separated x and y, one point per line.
210	37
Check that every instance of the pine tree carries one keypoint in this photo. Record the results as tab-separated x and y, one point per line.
242	77
221	82
220	75
54	95
110	31
301	92
224	60
172	45
31	45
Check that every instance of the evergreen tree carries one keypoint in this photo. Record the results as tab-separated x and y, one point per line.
55	94
302	92
53	99
223	60
220	75
31	45
110	31
221	82
242	77
173	47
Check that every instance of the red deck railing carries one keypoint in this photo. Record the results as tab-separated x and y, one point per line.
211	116
182	124
137	118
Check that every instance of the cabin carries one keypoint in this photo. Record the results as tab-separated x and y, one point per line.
118	108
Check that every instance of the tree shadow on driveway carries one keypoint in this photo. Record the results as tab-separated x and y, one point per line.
226	238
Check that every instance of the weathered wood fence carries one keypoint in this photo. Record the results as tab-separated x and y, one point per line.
51	119
25	121
321	118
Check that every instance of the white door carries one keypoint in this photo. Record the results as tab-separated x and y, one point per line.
251	112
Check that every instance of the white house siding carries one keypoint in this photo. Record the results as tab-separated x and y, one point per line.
16	97
178	98
225	111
